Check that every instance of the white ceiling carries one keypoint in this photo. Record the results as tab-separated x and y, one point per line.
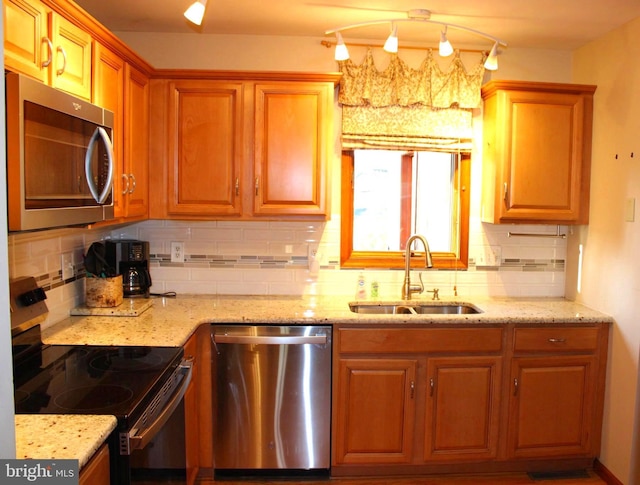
545	24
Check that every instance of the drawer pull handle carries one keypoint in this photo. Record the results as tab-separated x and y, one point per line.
431	386
557	340
412	388
515	386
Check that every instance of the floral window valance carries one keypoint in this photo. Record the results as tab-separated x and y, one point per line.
405	108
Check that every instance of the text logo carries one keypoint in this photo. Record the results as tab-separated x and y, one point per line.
50	472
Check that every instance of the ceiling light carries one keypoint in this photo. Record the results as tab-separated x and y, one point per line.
195	12
492	61
424	16
445	49
342	53
391	45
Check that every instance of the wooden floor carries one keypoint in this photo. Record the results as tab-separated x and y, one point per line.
492	479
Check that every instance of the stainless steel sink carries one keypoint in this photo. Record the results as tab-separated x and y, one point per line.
414	308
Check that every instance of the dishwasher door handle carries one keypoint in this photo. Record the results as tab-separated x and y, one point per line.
269	339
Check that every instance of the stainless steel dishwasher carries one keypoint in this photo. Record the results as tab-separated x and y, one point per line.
273	399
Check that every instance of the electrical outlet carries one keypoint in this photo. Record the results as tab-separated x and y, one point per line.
177	252
66	264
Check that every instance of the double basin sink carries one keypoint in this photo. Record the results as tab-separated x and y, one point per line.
414	308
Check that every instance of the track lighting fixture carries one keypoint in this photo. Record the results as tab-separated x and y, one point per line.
491	63
342	53
417	15
445	49
391	45
195	12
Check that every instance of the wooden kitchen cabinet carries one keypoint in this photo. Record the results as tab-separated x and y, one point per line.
375	421
241	145
557	389
97	470
536	152
205	147
416	396
124	90
198	407
42	44
462	408
293	133
135	170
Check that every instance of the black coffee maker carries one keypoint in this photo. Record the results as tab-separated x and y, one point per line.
130	257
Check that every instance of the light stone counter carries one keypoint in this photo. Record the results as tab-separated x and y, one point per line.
53	437
170	321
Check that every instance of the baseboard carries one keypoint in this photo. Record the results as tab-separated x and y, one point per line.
604	473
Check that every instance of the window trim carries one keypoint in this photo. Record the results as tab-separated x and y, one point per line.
395	259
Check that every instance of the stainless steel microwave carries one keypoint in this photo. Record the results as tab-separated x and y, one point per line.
59	157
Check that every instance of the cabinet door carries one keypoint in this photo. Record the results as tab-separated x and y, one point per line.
462	408
205	148
375	411
25	38
552	406
71	66
136	154
292	132
544	149
108	92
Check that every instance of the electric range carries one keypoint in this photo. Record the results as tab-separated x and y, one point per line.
141	386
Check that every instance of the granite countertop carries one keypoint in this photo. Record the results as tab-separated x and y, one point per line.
70	436
170	321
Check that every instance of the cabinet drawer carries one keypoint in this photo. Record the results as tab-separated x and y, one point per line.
555	339
412	340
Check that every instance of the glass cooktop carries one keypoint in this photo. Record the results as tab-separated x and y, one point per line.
60	379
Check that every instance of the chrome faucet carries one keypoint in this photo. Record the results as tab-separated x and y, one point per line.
407	288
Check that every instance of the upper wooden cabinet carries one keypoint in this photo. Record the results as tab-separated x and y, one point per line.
205	148
44	45
292	133
241	148
124	90
537	152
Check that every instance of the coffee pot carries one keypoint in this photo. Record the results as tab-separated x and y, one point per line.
131	258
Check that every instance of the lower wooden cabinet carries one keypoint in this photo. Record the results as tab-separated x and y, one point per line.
375	424
462	408
97	471
477	398
198	408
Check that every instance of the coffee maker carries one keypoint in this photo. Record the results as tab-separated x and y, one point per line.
130	258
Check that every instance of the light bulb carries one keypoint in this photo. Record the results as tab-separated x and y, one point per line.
195	12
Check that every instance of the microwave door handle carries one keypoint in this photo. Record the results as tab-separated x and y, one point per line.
99	134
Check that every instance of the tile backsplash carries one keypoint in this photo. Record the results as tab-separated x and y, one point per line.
273	258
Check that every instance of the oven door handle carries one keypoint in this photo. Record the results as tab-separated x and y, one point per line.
139	441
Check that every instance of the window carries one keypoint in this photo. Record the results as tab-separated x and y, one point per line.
389	195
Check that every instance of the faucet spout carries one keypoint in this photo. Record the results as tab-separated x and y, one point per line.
407	288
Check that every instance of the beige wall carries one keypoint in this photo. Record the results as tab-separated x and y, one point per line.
611	269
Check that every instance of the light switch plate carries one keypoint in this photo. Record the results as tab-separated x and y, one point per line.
630	210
